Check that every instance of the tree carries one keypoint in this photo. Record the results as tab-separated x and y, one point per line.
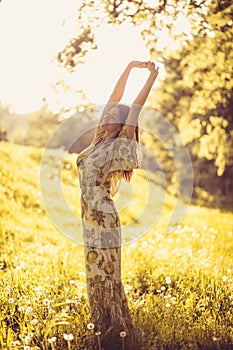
150	16
197	93
4	112
3	135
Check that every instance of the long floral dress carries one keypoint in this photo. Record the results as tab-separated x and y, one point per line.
102	164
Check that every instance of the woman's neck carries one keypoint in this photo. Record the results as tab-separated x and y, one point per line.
108	135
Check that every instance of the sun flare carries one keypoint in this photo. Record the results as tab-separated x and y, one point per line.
33	34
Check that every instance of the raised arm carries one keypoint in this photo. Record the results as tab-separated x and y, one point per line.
121	83
119	88
143	94
138	103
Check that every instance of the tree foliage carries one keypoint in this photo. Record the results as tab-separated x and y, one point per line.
197	93
151	16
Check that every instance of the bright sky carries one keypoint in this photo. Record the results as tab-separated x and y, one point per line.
32	32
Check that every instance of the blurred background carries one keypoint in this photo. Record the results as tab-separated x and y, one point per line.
59	62
58	59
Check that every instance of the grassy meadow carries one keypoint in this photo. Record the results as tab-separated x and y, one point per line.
179	286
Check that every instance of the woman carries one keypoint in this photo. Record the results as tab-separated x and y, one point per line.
112	155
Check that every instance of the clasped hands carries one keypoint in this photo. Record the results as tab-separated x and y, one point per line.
148	64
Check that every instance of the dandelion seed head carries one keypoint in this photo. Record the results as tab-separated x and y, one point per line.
27	339
15	343
38	288
215	338
11	300
69	301
51	311
67	166
35	321
20	266
90	326
122	334
224	278
28	310
168	280
47	302
68	337
52	340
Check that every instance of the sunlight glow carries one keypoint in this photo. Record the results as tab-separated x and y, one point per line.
104	66
33	34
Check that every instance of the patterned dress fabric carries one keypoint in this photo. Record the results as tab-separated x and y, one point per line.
101	166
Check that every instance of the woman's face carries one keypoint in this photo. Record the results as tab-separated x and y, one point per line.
112	120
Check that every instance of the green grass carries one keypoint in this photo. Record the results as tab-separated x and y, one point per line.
179	286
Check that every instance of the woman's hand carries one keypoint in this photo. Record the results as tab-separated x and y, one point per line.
152	68
143	94
148	64
137	64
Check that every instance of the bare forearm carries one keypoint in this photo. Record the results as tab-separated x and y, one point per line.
120	85
142	96
138	103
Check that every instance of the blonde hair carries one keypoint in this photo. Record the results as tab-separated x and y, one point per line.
117	175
